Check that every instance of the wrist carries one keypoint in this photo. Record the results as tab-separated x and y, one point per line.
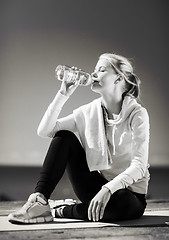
106	188
63	92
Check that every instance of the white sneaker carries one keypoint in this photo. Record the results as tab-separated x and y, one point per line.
57	206
35	210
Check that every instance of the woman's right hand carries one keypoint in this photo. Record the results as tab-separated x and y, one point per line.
68	89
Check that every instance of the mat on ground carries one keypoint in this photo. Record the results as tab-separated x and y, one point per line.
150	218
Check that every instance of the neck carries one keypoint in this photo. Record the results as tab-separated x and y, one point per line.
113	104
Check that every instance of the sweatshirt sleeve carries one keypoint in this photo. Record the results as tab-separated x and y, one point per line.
48	122
138	166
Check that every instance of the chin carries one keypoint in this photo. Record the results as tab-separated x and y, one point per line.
96	88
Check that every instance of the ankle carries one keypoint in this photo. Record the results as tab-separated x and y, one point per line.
58	212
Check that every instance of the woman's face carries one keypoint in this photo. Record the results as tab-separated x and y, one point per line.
103	77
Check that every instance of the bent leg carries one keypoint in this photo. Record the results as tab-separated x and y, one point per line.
123	205
64	151
55	163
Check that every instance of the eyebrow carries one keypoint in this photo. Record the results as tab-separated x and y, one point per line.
100	67
113	65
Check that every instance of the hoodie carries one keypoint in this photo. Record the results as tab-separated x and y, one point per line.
117	148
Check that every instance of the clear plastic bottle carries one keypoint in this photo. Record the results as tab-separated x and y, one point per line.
69	75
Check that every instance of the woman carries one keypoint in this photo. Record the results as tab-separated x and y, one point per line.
108	167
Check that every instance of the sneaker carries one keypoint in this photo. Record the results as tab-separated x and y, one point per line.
57	206
35	210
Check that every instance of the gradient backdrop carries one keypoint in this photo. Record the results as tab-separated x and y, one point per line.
37	35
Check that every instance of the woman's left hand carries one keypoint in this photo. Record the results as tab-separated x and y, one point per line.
98	204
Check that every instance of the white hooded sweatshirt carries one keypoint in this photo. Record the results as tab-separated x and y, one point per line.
117	148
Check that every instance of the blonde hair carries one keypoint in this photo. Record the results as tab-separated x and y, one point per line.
124	68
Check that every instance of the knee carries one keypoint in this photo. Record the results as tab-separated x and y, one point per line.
65	134
121	200
124	197
123	205
123	194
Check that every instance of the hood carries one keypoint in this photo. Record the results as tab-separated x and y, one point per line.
129	104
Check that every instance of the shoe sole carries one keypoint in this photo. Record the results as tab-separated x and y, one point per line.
32	220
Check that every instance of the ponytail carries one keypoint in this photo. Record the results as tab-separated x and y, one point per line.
132	86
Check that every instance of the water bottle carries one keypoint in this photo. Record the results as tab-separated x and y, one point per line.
69	75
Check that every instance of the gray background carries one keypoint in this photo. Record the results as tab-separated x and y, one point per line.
37	35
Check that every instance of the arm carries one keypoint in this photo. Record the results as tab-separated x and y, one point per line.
137	168
50	124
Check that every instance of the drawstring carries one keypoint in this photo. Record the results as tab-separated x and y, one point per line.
113	139
113	132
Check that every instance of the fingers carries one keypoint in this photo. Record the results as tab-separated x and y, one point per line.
72	87
98	204
102	210
74	68
94	210
106	199
98	210
90	211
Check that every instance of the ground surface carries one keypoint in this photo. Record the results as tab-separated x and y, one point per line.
110	233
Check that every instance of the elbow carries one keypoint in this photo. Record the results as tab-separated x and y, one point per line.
141	170
140	164
137	171
42	133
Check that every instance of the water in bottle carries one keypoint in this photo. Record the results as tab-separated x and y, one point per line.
70	75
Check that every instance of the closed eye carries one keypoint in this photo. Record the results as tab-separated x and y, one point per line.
101	69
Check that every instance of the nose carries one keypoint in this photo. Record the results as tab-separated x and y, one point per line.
94	75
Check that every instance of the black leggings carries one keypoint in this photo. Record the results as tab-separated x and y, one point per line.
66	152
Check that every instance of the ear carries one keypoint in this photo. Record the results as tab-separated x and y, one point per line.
119	79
